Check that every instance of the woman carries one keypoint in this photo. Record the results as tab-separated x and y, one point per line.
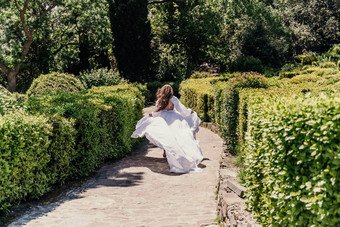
172	128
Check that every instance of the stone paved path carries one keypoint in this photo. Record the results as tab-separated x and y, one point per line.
139	191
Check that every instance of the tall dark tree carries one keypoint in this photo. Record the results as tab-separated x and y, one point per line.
188	24
132	38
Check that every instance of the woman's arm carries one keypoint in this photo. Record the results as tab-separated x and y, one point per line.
180	108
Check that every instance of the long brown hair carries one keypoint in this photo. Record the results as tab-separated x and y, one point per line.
164	95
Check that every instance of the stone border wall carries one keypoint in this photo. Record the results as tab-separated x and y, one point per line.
231	207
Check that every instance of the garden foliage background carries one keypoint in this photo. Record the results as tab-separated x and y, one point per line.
266	72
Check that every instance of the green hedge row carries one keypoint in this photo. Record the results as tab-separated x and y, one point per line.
35	153
105	117
267	130
54	82
292	163
64	135
198	94
216	99
226	114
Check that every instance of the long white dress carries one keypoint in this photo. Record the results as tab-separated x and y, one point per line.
173	131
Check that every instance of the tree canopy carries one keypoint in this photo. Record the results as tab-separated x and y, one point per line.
158	39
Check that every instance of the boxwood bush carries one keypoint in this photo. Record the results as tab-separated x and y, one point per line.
198	94
292	161
105	117
10	103
249	80
216	99
63	135
287	133
54	82
33	156
225	106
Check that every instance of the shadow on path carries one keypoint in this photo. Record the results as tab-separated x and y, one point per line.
110	175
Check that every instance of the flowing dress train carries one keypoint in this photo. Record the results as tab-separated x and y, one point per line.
173	131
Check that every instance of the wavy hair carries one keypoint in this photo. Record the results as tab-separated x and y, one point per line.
164	95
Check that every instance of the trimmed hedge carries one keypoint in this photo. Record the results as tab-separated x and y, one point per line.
216	99
54	82
249	80
290	146
198	94
64	135
225	106
105	117
293	161
31	159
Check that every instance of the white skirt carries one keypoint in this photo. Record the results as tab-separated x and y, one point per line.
172	132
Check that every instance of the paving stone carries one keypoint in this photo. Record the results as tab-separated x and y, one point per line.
237	188
226	173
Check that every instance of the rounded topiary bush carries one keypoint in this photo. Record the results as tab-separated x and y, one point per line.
250	80
100	77
55	82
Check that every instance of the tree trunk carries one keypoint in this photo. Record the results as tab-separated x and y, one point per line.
12	80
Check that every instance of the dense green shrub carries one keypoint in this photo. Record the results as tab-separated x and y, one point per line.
4	91
287	74
198	94
23	157
63	135
247	63
105	117
331	79
35	153
306	59
54	82
100	77
249	80
216	99
225	106
293	160
333	53
10	103
304	78
229	109
232	109
61	150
